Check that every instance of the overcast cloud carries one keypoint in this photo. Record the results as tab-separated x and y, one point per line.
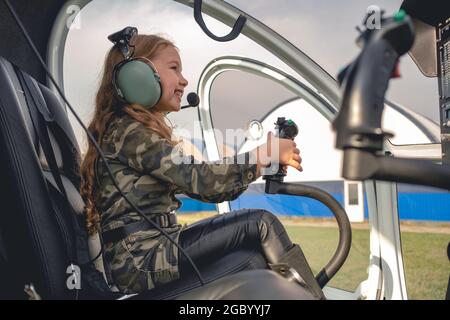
323	29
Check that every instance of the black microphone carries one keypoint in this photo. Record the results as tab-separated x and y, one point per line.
193	100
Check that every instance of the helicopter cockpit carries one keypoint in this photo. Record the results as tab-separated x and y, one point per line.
46	248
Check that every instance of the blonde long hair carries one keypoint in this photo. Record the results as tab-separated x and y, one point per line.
105	111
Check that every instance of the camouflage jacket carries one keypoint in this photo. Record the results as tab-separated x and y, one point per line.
151	172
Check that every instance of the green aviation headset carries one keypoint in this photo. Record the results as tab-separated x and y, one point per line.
135	79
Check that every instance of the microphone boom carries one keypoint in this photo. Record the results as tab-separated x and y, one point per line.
193	100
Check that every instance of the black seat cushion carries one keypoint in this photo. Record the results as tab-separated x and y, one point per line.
250	285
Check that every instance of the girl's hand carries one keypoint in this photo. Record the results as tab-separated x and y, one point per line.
287	153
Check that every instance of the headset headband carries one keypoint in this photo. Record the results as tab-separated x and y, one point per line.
122	39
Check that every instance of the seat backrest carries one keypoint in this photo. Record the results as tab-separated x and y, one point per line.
34	233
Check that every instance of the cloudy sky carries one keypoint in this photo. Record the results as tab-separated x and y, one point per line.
323	29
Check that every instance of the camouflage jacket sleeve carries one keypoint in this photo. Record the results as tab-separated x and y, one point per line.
215	182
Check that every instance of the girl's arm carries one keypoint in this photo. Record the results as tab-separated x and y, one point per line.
215	182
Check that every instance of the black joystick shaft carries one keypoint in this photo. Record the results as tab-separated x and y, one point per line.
287	129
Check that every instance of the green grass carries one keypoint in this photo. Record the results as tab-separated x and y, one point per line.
425	257
426	263
319	244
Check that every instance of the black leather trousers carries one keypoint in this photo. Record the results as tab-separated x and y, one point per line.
254	232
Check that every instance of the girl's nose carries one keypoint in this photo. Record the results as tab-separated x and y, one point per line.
183	81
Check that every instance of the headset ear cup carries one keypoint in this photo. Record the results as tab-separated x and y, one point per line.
137	82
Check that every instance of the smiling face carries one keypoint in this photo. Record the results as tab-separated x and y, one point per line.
168	63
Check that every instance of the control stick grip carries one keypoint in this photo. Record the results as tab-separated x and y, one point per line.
284	129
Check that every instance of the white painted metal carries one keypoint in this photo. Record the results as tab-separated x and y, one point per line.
394	285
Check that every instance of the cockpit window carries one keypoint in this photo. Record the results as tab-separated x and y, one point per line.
314	27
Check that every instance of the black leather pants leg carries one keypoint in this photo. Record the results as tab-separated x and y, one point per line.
247	229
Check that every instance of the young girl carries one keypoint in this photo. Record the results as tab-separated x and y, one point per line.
138	145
